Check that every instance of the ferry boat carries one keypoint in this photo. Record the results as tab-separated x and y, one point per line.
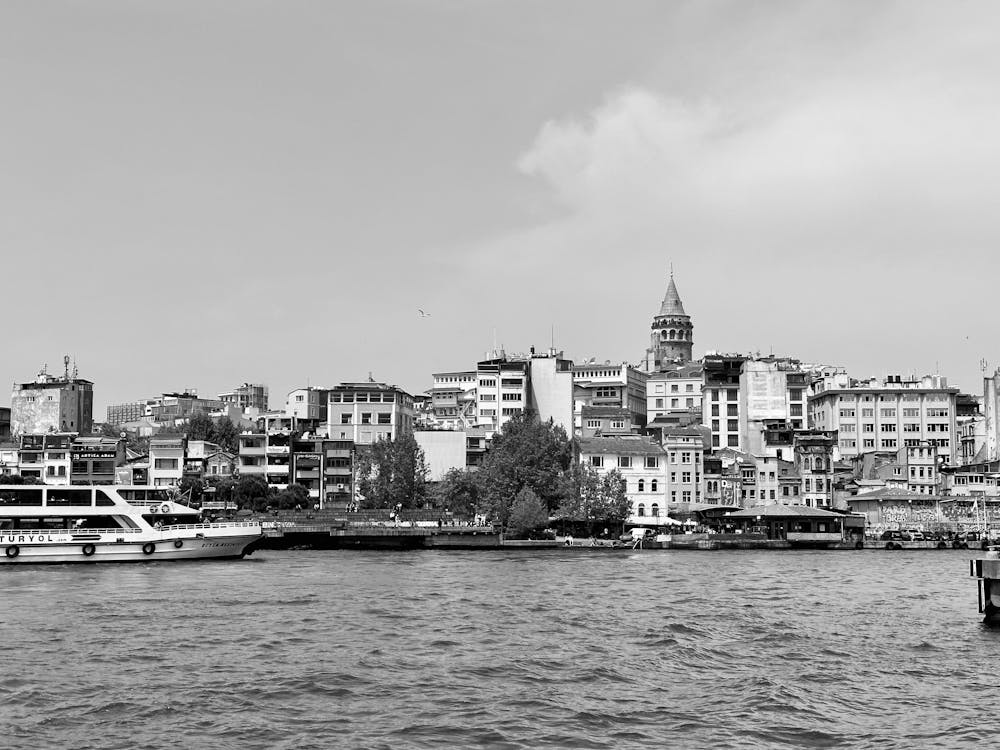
111	523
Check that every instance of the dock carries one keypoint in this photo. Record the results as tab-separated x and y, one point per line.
987	571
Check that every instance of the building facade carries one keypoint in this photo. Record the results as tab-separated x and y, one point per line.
364	413
642	464
52	404
246	397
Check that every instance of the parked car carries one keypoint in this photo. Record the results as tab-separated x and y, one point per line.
916	535
895	536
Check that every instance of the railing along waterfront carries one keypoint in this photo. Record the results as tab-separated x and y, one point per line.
70	531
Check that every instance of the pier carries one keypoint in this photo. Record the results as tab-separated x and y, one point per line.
987	570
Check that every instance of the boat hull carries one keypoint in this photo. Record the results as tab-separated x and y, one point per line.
229	546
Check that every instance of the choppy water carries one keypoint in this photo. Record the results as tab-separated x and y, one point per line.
504	650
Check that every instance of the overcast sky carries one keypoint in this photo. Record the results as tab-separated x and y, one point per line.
198	194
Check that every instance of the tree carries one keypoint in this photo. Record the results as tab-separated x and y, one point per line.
252	492
526	453
527	513
293	497
226	435
391	473
590	497
200	426
458	492
194	485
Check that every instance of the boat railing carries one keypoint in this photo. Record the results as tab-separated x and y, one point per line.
76	530
200	526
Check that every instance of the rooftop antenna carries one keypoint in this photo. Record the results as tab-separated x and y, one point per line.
66	367
76	372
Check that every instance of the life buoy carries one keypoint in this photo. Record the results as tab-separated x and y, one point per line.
13	551
88	550
148	548
164	508
178	543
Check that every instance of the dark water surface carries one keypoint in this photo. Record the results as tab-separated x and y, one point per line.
506	650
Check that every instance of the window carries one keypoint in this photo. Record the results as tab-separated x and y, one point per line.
512	397
888	427
868	443
795	410
686	477
487	412
689	402
867	412
652	486
847	427
675	403
345	418
715	394
888	443
641	510
868	427
617	424
488	383
887	413
165	463
715	425
734	441
652	462
732	410
606	392
593	423
642	485
659	403
686	495
299	398
384	417
366	417
488	397
732	394
624	462
733	425
674	388
795	394
911	427
715	410
911	412
597	461
685	457
654	510
847	413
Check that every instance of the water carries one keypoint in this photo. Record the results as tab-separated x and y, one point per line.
501	650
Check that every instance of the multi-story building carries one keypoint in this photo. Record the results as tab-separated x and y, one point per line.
813	457
602	421
771	389
453	400
253	454
642	464
166	460
551	388
616	385
95	459
173	407
366	412
4	422
308	403
325	468
9	459
53	404
684	451
46	457
991	417
675	391
721	398
672	334
501	390
246	397
871	416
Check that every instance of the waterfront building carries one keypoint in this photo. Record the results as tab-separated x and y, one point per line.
246	397
325	468
46	457
684	450
972	480
673	394
643	466
672	333
95	459
53	404
166	460
366	412
889	509
221	464
884	416
772	389
609	385
721	398
551	388
253	454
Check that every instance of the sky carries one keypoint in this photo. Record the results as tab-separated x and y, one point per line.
196	194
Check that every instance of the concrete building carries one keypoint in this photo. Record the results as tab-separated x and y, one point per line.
53	404
813	456
166	460
721	398
675	391
609	385
672	333
9	459
684	451
444	450
642	464
366	412
501	390
551	388
453	400
606	421
95	460
46	457
246	397
171	408
4	422
884	416
308	404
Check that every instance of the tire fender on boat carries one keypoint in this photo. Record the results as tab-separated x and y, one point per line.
178	543
148	548
88	550
13	551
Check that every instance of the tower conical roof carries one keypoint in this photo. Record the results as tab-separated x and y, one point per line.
672	301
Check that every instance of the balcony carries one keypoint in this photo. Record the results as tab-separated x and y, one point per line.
255	450
307	474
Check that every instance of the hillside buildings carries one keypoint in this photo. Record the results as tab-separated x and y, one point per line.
247	397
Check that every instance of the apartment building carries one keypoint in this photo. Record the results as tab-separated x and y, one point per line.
684	452
166	460
501	390
52	404
609	385
246	397
642	464
675	390
363	413
885	416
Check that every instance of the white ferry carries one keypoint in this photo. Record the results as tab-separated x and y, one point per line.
110	523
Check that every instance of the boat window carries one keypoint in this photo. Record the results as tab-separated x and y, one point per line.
21	496
60	496
159	496
97	522
104	499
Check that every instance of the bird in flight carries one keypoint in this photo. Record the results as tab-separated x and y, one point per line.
423	314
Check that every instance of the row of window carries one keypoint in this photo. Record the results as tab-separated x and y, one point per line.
366	418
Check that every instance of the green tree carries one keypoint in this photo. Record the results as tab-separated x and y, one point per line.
526	453
527	513
590	497
252	492
615	505
294	496
392	472
200	426
226	435
194	485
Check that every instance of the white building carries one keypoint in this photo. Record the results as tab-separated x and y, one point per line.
642	464
166	461
675	389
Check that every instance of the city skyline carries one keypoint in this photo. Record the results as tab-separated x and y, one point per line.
223	194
